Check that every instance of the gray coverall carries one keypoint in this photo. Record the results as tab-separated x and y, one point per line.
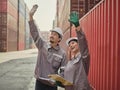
49	59
75	70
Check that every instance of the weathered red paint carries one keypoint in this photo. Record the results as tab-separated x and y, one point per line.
102	28
118	40
3	6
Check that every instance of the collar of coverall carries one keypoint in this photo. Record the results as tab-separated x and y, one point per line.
56	48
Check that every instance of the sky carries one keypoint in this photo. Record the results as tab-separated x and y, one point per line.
45	13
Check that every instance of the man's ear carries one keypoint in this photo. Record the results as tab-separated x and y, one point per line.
60	39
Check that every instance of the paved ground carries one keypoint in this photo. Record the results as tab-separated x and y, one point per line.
16	74
17	70
7	56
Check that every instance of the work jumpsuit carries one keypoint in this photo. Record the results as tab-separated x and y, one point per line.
49	59
75	70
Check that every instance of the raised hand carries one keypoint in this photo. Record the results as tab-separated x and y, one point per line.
33	10
74	18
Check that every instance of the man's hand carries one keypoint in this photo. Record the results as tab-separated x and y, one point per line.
58	83
74	18
32	11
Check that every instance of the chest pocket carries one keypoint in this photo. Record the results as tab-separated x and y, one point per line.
56	60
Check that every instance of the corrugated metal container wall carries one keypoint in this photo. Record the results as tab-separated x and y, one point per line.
60	5
3	5
12	24
27	30
78	5
12	8
102	29
3	32
21	41
63	13
118	27
14	3
3	25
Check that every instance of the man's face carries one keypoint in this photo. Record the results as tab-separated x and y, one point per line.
73	45
54	37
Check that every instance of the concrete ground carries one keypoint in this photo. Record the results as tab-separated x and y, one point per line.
17	70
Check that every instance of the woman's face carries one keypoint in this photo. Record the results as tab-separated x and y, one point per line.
74	48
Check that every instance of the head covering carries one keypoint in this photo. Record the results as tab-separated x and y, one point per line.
71	39
58	30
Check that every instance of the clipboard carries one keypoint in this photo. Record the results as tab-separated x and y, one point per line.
57	77
47	81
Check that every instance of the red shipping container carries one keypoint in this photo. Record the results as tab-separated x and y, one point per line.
14	3
12	10
3	6
12	33
21	38
101	26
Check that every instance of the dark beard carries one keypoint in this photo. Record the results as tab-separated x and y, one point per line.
51	41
